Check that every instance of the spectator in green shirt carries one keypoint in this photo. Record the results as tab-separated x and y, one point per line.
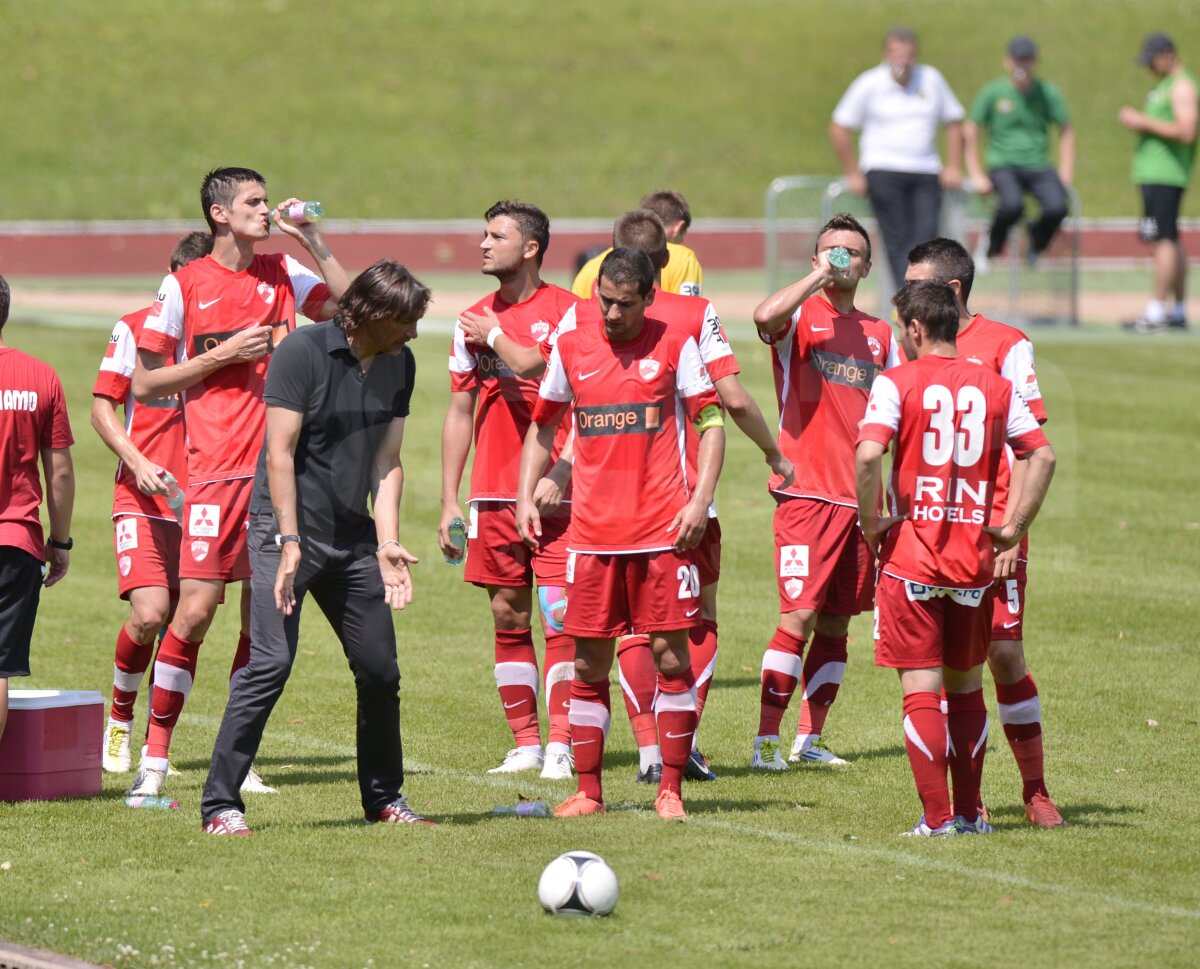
1016	112
1162	168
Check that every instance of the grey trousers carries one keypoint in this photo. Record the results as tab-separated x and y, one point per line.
348	588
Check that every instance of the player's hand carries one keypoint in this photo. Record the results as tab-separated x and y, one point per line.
689	526
529	522
58	560
306	233
448	548
245	345
1006	563
874	531
1131	118
857	183
149	478
982	185
1004	537
477	326
951	178
547	496
285	577
783	473
394	561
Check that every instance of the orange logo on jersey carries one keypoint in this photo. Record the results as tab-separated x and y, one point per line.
618	419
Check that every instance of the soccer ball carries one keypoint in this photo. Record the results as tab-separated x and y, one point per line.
578	883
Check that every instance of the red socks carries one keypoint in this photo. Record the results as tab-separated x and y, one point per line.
822	676
174	672
925	740
590	718
560	670
130	662
675	708
967	724
639	680
780	674
1020	711
702	647
241	656
517	682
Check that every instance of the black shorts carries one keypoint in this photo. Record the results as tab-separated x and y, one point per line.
20	590
1160	208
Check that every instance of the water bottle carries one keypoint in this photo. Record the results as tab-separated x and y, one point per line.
145	801
301	213
839	259
174	494
458	538
524	809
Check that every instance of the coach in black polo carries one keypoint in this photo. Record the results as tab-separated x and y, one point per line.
337	395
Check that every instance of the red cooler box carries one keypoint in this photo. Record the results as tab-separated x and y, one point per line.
51	746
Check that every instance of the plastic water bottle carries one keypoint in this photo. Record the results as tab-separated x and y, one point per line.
839	258
145	801
524	809
300	213
174	494
458	538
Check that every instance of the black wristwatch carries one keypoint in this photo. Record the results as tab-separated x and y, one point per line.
63	546
280	539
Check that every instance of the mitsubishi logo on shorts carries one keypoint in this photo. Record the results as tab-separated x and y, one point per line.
204	520
793	561
127	536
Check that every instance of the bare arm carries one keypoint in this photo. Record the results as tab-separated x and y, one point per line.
692	519
456	445
387	485
1183	104
539	440
309	236
283	432
524	361
60	505
1066	155
952	174
1033	492
842	140
749	418
979	180
868	483
112	432
774	312
154	377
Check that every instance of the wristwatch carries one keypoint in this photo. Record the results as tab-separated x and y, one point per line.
280	539
63	546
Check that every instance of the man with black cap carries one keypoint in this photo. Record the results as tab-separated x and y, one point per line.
1017	111
1162	167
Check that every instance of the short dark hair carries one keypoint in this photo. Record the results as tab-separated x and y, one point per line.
903	35
949	260
532	221
642	229
668	205
5	301
194	245
220	188
625	265
934	304
385	290
844	222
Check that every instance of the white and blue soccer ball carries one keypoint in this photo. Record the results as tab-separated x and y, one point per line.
578	883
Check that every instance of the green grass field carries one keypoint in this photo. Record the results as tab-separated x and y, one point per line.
415	110
804	868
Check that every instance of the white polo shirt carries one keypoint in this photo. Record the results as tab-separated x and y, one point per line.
898	124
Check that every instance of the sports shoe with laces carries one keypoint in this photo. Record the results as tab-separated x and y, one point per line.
923	830
231	822
651	775
578	805
669	806
1145	325
116	758
254	784
977	825
519	759
814	753
1040	810
148	782
557	766
398	812
697	769
768	755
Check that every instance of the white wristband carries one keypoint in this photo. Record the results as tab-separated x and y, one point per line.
382	545
493	333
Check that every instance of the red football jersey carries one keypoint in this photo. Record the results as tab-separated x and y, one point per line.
504	408
33	416
950	420
631	401
824	364
203	304
155	427
1007	351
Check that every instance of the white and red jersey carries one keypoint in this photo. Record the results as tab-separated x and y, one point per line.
155	428
200	306
504	408
1007	351
632	400
949	420
825	363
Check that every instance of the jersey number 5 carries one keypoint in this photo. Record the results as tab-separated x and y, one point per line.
944	441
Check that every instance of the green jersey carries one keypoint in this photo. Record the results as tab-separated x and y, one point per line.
1017	122
1157	160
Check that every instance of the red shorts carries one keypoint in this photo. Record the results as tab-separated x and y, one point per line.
1008	606
147	552
822	561
497	556
213	545
707	555
919	633
645	592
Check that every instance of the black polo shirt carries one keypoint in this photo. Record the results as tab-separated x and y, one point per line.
346	413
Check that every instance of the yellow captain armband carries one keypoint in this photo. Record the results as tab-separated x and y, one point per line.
709	417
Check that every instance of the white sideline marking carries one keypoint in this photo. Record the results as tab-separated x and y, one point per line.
529	781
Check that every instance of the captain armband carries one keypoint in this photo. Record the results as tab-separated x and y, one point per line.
709	417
